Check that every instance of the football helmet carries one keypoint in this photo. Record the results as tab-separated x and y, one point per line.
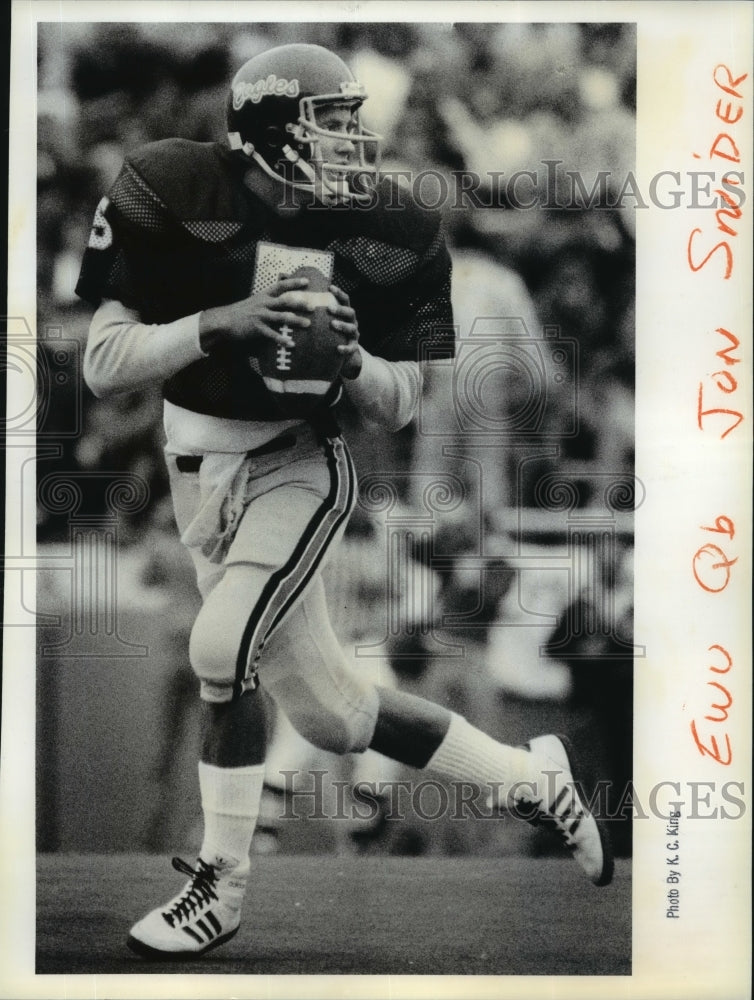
275	101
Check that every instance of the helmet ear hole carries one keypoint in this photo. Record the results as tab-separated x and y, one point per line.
274	137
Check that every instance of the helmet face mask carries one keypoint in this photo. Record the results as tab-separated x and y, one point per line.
342	152
278	103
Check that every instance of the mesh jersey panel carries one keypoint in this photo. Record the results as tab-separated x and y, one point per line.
213	232
184	231
137	202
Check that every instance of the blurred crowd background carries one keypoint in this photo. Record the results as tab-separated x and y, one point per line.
538	646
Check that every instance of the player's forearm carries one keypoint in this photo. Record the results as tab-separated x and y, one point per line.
124	354
215	326
211	329
386	392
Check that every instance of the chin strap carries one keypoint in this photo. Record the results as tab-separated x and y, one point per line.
329	192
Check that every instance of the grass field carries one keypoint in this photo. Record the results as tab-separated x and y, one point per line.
345	915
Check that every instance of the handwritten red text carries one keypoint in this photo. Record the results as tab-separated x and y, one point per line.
729	110
707	742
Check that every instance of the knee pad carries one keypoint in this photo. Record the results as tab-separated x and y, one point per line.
343	725
213	663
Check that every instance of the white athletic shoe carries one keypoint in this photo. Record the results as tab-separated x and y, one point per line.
559	808
202	916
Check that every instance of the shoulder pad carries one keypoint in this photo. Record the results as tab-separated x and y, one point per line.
192	179
402	220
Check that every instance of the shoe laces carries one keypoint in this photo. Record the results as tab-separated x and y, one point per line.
200	890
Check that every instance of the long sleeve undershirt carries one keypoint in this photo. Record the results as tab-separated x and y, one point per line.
124	355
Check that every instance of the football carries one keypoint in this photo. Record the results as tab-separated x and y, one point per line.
298	377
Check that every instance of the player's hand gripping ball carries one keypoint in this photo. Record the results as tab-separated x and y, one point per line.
298	377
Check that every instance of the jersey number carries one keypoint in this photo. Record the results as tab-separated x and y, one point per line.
101	236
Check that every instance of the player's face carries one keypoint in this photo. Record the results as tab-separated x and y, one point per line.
340	150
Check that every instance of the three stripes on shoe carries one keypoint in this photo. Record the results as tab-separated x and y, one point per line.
200	891
210	933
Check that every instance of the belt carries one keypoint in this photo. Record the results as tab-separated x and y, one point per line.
191	463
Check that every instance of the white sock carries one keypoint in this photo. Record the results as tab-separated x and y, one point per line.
230	803
468	754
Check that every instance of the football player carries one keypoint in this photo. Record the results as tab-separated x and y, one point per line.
190	264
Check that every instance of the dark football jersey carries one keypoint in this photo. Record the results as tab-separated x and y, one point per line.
178	233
